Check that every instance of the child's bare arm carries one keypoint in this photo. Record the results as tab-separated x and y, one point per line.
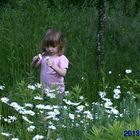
60	71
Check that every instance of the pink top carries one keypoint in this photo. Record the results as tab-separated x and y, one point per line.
49	77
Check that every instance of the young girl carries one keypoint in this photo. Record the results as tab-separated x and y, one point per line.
54	63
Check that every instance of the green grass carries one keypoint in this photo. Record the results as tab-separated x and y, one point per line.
23	27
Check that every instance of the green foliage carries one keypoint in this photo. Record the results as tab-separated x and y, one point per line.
67	128
20	40
76	118
114	131
96	133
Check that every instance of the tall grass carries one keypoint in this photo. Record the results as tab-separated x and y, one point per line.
22	29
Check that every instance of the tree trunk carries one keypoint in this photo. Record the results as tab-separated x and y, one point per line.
100	37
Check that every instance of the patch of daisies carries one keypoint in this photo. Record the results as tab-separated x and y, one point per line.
78	114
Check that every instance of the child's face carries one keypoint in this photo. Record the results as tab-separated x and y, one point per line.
52	50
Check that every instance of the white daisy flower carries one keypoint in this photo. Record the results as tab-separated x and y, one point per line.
32	87
16	106
81	97
6	134
114	111
80	108
108	104
38	85
102	94
71	116
68	102
52	127
26	119
15	139
110	72
67	93
51	95
28	105
31	128
2	87
127	71
38	137
4	99
117	91
12	118
116	96
38	98
88	114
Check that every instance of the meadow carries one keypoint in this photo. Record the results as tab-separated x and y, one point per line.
109	111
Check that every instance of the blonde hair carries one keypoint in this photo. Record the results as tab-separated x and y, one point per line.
53	38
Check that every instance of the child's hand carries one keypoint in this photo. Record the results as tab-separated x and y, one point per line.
36	59
49	62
